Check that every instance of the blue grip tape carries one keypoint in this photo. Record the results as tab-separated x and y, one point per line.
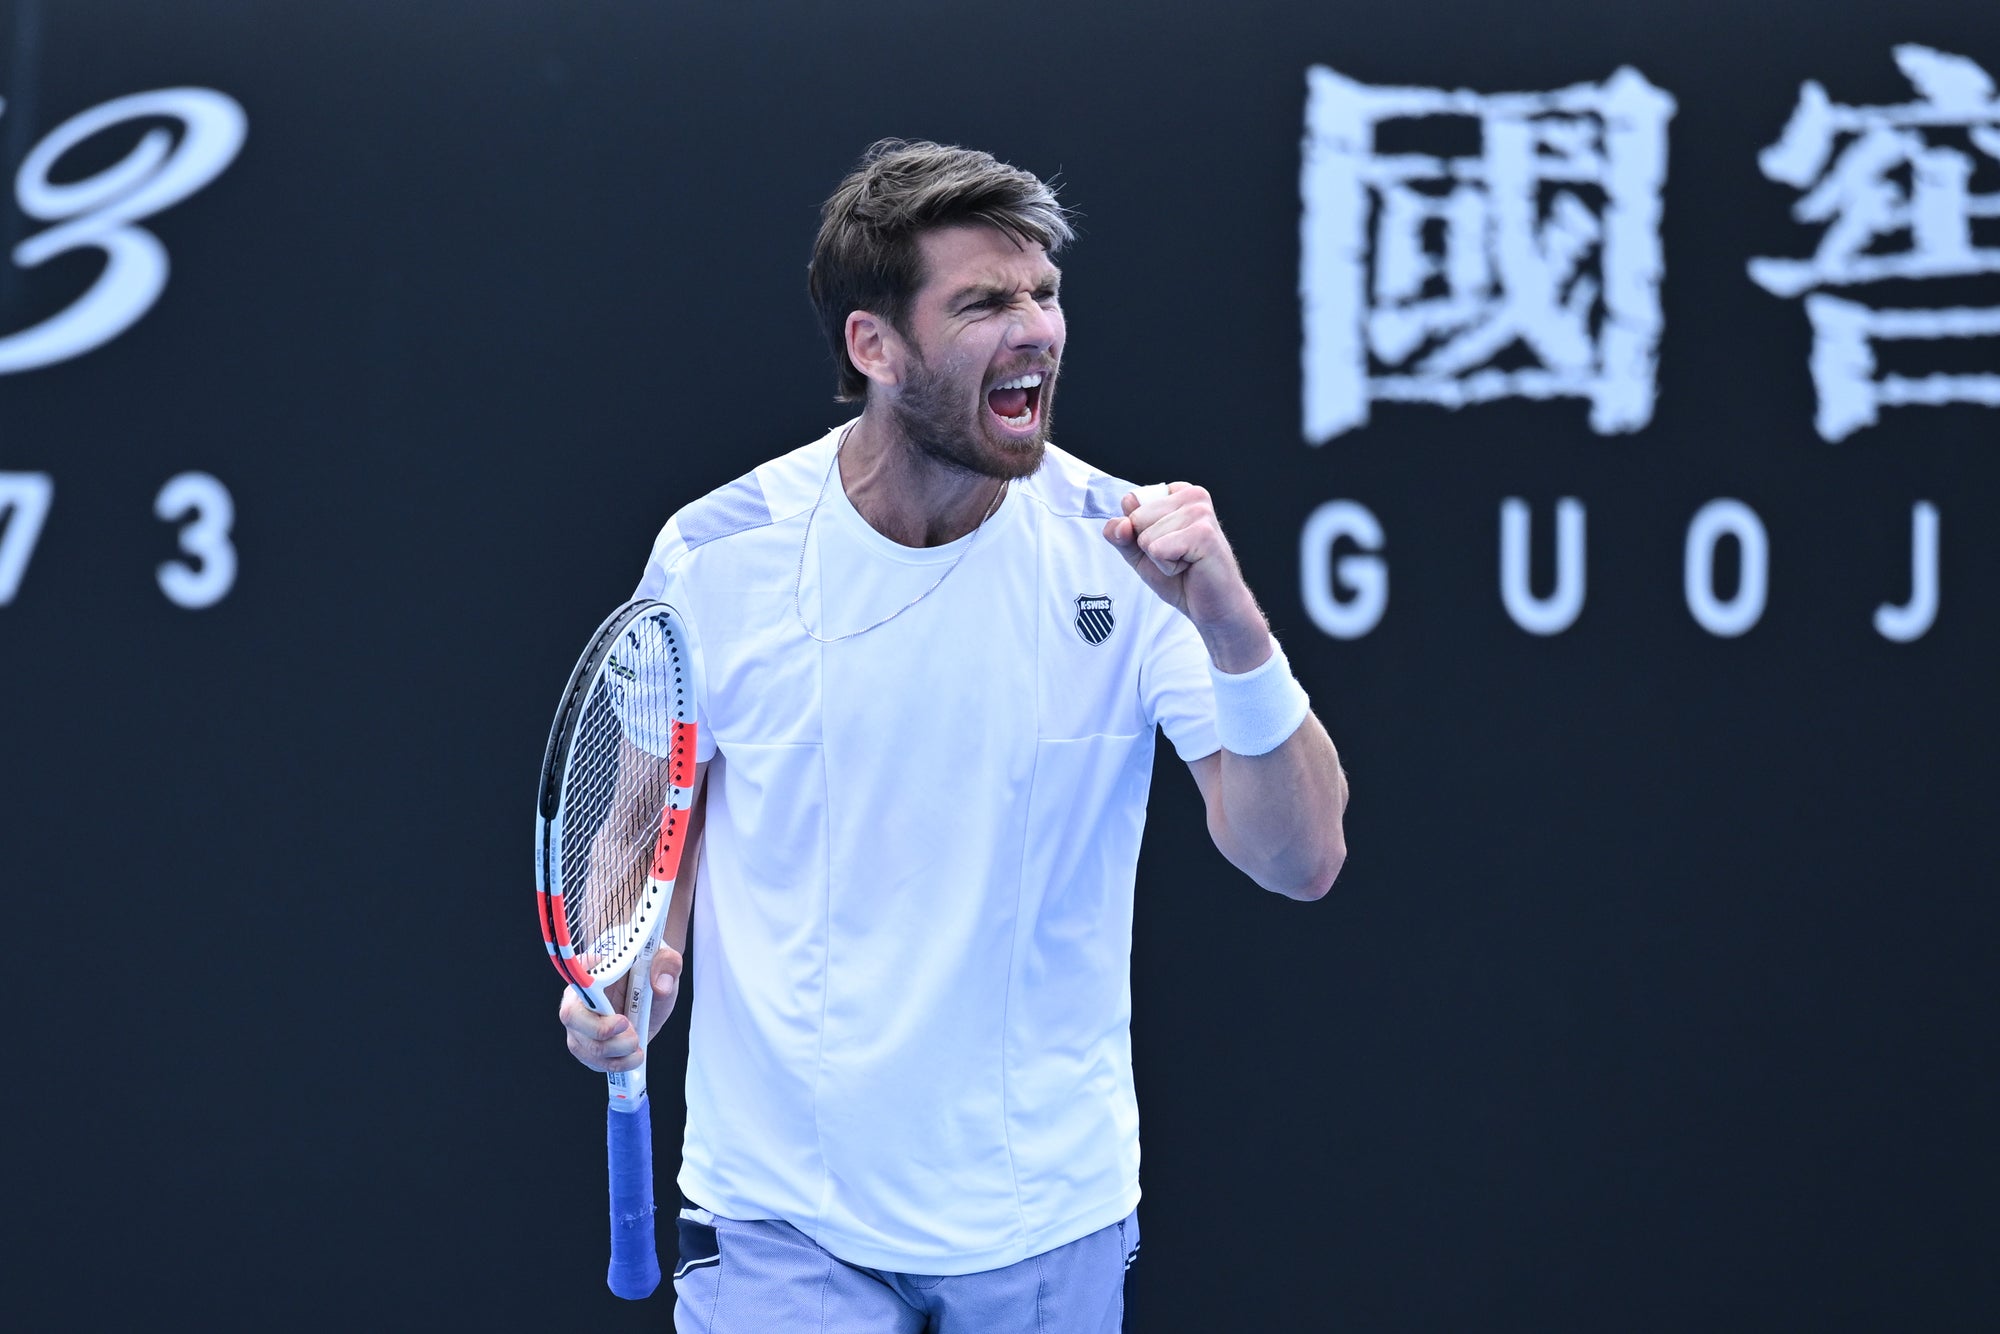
628	1142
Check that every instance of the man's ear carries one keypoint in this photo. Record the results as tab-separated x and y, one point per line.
875	348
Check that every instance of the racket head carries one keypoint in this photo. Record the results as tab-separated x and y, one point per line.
616	789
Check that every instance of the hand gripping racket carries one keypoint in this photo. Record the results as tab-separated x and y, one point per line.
610	824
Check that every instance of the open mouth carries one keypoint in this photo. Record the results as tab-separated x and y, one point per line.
1017	402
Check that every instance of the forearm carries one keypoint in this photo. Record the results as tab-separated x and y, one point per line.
1277	816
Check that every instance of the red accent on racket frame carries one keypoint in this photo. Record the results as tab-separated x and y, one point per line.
681	745
667	851
569	966
548	934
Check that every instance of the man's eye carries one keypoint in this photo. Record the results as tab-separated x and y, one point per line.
1000	301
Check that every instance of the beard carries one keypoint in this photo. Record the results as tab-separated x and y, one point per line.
931	415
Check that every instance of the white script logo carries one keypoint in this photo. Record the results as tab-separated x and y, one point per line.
99	212
1878	227
1433	277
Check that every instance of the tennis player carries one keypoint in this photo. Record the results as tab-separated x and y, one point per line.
933	650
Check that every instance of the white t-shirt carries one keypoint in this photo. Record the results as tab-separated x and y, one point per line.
913	925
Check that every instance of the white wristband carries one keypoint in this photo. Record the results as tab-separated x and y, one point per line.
1255	711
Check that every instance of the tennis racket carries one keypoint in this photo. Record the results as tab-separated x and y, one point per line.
610	825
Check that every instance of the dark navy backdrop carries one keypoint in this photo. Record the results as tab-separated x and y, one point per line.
1657	993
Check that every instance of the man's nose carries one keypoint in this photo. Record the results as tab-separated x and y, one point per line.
1037	327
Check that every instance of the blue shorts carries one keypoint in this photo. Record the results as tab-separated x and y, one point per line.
767	1277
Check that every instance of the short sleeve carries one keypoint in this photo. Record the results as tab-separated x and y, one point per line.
668	549
1175	688
667	579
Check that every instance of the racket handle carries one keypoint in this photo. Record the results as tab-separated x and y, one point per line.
635	1260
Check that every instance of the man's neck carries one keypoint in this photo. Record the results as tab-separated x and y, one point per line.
905	495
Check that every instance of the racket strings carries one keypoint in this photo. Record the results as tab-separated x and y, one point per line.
622	766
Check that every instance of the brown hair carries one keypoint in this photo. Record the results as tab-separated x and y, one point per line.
866	256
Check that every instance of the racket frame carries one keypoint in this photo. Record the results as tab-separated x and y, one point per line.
629	957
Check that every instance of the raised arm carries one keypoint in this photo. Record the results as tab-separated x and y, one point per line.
1275	806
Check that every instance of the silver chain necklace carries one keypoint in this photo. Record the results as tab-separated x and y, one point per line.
798	581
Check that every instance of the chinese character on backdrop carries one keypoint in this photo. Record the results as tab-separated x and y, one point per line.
1892	186
1523	264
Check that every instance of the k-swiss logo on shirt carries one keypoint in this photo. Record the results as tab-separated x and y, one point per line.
1093	618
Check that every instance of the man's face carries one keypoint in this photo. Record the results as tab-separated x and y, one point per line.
985	339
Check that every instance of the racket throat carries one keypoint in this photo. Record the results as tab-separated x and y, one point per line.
626	1089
